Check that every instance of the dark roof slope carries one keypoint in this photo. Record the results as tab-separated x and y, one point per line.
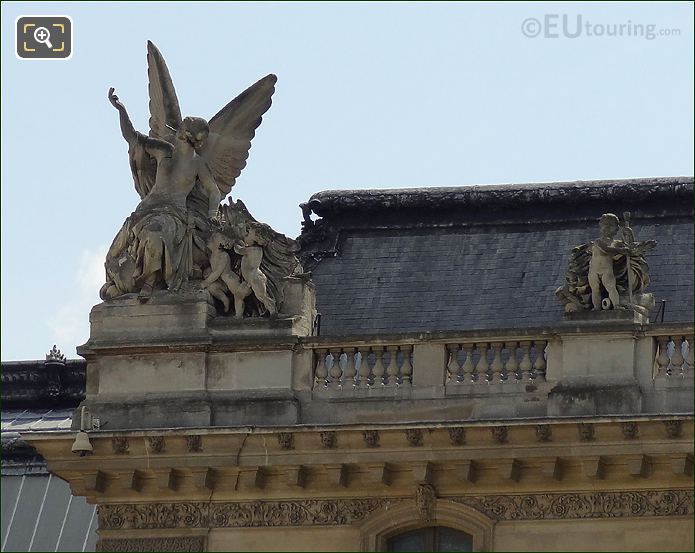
481	257
43	383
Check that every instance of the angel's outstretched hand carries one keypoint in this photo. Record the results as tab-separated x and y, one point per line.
115	102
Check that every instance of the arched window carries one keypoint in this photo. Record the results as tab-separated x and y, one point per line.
451	526
432	538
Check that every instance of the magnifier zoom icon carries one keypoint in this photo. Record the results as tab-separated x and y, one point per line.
43	36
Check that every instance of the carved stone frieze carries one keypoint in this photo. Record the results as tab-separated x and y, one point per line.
583	505
347	511
178	543
237	514
294	513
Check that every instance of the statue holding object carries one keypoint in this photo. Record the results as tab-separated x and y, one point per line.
609	273
179	237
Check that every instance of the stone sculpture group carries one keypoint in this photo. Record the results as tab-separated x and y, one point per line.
609	273
179	237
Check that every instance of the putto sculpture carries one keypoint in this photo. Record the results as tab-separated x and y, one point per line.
609	273
179	237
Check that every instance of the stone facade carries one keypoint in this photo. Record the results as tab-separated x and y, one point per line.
289	433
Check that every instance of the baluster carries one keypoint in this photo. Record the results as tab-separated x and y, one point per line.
467	368
496	365
392	369
378	370
336	371
511	365
662	359
350	375
539	364
364	367
677	358
407	368
453	367
689	356
525	366
321	371
481	366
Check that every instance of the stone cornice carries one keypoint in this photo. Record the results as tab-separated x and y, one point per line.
656	420
492	456
556	205
332	202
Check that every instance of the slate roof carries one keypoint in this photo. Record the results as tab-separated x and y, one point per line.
481	257
38	511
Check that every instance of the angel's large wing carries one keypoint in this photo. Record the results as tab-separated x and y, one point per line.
164	105
164	110
231	130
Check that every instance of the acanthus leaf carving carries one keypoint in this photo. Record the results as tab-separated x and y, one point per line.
310	512
178	543
583	505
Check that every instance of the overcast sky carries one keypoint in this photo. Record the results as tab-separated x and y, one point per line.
368	96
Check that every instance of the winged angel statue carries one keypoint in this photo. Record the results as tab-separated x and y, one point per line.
179	236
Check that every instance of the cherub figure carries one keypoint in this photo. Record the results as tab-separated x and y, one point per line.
221	277
603	251
617	265
217	289
251	253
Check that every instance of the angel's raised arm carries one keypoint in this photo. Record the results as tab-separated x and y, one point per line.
155	147
127	128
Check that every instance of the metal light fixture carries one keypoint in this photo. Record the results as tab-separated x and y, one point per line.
82	445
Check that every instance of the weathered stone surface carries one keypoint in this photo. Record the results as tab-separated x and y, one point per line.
179	239
594	396
551	506
178	543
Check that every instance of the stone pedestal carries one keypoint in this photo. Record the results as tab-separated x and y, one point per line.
598	366
173	362
636	314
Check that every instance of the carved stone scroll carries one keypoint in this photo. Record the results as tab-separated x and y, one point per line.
310	512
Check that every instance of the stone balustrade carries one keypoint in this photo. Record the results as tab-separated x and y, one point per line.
453	367
392	366
674	356
363	366
484	362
